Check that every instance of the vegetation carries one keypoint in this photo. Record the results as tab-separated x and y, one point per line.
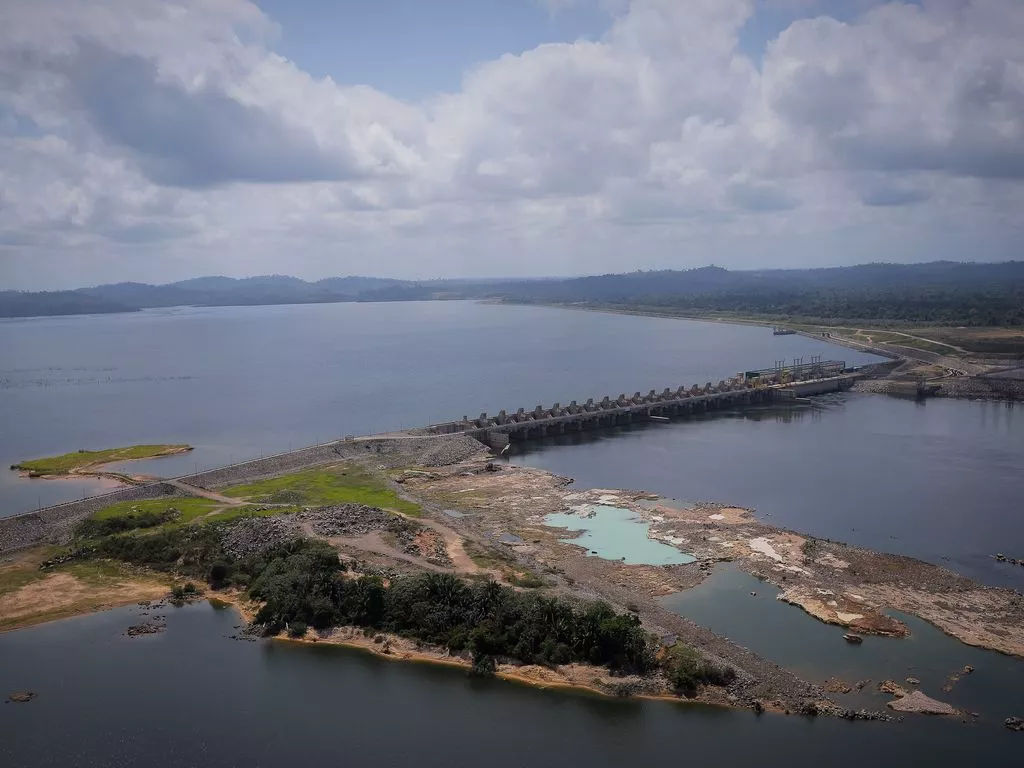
182	509
81	460
341	484
971	294
936	293
305	582
687	670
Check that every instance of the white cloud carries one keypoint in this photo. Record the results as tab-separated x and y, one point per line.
165	139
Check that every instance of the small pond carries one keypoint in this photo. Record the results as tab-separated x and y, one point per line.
614	533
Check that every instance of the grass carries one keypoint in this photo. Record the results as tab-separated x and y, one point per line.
340	484
79	460
190	507
15	577
489	559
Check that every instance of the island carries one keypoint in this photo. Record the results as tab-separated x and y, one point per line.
85	463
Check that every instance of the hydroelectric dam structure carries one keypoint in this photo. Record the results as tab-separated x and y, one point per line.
781	383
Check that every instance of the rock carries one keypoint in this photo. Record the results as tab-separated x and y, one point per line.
1014	724
913	681
968	669
24	697
852	638
809	709
892	687
917	702
835	685
146	628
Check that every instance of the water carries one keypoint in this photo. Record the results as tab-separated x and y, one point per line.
240	382
237	382
191	696
614	533
939	480
816	651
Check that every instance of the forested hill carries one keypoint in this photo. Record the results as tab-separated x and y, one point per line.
937	292
202	291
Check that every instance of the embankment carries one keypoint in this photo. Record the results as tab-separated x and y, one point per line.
54	524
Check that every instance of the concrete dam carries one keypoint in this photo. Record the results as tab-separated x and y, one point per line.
783	383
779	384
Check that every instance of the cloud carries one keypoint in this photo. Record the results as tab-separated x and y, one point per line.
761	197
938	87
885	196
192	138
174	125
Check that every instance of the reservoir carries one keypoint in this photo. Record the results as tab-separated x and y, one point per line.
241	382
939	481
193	696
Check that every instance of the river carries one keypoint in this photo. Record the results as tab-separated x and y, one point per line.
240	382
932	480
193	697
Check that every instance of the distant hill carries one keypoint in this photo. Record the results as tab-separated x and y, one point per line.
940	292
18	304
937	292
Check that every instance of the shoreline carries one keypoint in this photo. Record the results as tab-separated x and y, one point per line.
96	469
970	387
359	639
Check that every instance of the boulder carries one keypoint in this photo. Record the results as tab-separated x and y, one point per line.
1014	723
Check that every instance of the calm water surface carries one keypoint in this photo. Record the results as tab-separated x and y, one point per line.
816	651
940	480
193	697
240	382
614	533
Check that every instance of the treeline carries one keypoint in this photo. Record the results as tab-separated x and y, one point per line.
937	292
997	306
309	586
302	584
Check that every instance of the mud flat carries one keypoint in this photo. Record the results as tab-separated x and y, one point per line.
836	583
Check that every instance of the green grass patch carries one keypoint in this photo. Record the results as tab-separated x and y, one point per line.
341	484
190	508
491	559
15	577
526	580
69	462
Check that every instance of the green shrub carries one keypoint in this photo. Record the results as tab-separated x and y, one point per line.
297	629
687	670
483	665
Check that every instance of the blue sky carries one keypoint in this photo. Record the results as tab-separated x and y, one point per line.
155	140
415	48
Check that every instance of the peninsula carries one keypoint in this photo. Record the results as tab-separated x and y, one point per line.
423	546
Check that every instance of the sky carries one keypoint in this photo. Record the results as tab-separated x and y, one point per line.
157	140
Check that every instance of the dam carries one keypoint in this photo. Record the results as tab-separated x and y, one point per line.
780	383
